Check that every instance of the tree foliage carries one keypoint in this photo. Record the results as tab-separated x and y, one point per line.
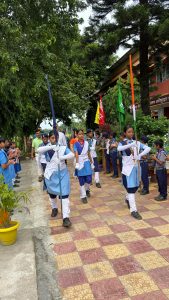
140	23
38	38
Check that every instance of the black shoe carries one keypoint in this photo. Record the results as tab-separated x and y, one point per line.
136	215
66	222
18	177
144	192
98	185
15	185
88	193
17	181
160	198
127	202
54	212
84	200
40	178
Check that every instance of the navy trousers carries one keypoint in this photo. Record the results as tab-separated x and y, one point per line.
113	156
144	175
162	182
108	163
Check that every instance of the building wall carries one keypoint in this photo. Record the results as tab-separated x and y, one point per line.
162	88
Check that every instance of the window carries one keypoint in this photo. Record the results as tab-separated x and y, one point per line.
163	73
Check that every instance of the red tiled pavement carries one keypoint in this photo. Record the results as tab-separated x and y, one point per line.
106	254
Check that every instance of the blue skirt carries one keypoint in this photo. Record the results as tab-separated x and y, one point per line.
86	170
131	183
53	186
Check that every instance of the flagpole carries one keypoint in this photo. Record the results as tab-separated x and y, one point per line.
55	133
134	113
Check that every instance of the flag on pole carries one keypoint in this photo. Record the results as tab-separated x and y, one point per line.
102	113
97	117
120	108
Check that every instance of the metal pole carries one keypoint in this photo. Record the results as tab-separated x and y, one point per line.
56	135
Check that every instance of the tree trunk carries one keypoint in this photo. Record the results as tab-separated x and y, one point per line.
144	65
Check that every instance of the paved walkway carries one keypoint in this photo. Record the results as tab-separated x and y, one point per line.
107	255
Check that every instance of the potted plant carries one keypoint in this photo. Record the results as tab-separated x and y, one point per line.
9	202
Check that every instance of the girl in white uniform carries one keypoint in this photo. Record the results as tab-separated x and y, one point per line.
57	183
92	147
130	151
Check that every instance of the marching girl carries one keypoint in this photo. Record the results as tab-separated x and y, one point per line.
57	183
84	165
130	151
92	145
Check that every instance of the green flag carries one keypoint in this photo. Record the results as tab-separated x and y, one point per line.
120	108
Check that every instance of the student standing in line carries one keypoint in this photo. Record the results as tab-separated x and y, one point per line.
84	165
131	154
35	144
92	145
144	169
161	172
113	153
42	157
57	183
5	164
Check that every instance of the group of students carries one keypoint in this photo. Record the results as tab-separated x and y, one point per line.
10	163
54	155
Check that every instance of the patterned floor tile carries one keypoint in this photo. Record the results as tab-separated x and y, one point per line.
126	265
71	277
138	225
166	292
70	260
80	226
108	255
102	209
164	229
156	221
87	244
130	236
79	235
110	289
78	292
98	271
116	251
151	260
138	283
161	277
62	238
159	242
64	248
165	253
148	232
118	228
139	247
92	256
109	240
158	295
148	215
101	231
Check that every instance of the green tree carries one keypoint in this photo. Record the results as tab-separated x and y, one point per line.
37	38
142	22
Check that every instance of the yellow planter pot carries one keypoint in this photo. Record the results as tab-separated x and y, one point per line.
8	235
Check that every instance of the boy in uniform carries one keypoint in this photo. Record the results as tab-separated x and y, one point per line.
161	172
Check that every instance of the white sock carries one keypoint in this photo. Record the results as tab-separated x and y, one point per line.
127	197
53	203
132	202
96	177
65	208
82	191
87	186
